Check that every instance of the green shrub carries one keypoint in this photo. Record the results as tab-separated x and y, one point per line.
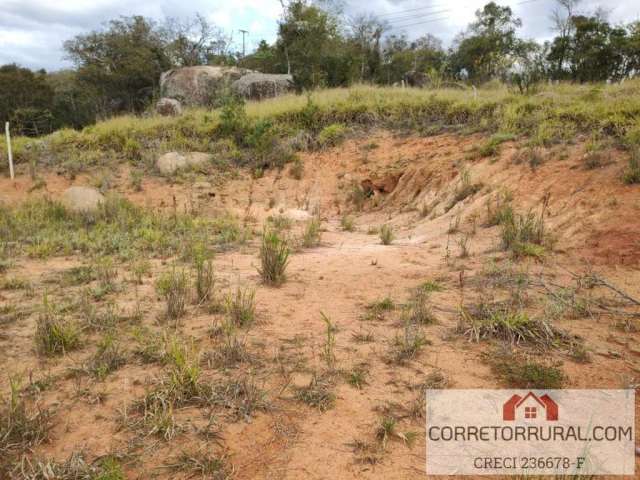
492	146
233	118
332	135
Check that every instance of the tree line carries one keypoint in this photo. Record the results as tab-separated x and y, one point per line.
117	68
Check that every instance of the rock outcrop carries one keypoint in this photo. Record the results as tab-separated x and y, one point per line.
171	162
207	85
256	86
169	107
201	85
82	199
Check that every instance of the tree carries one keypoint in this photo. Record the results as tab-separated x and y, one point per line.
632	48
486	50
309	40
424	55
75	104
266	59
561	18
529	67
365	33
596	50
123	62
26	100
195	42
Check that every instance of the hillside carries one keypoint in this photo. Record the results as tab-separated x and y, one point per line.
436	239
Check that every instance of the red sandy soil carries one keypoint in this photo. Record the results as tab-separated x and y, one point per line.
592	215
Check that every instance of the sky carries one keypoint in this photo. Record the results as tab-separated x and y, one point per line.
32	31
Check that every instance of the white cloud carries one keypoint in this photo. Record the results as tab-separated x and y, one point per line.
32	31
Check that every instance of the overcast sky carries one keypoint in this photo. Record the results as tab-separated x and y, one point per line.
32	31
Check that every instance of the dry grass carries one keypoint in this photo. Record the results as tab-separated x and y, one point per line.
518	371
318	393
55	335
21	427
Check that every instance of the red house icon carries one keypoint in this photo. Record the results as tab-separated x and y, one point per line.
532	405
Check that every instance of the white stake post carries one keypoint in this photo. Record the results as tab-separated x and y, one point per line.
6	128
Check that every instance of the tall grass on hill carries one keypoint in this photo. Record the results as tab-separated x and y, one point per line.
553	115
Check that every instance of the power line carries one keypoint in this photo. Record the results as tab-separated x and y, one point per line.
426	15
401	12
399	27
430	7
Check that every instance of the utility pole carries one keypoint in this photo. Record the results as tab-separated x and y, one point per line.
244	32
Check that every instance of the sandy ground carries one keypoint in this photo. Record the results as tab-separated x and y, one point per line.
593	216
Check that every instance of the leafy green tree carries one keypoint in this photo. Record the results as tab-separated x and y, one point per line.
265	59
486	50
562	20
424	55
364	44
123	62
26	100
75	104
530	66
310	42
595	51
632	48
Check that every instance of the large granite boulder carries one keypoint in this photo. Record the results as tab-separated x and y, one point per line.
256	86
171	162
82	199
169	107
199	86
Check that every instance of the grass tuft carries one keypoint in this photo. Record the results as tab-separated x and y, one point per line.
20	427
274	258
312	233
347	223
202	464
318	394
241	307
54	334
386	235
520	372
173	286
